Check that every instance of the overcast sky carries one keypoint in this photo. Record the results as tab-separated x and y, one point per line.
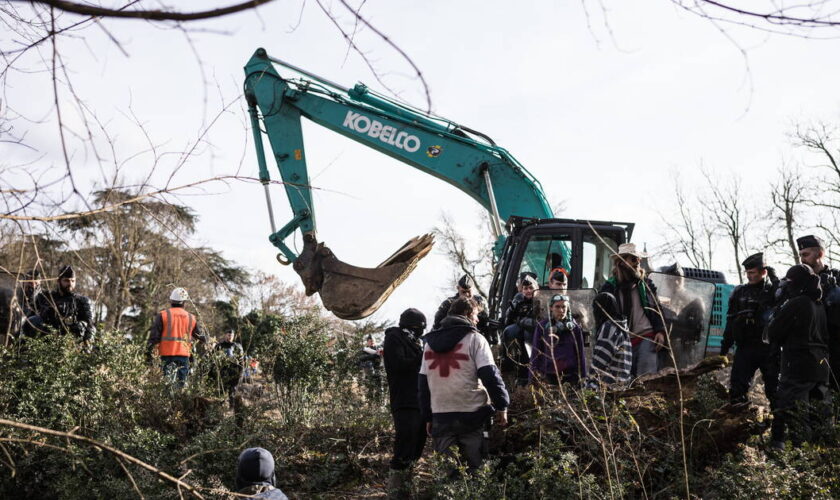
602	121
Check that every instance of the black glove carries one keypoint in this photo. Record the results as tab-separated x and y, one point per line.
526	324
516	300
77	328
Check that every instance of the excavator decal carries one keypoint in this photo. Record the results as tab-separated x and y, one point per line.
360	123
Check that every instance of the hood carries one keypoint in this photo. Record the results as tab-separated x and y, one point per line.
801	280
396	331
452	330
256	466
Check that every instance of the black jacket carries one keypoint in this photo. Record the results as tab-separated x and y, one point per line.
483	318
67	313
651	308
830	284
402	353
799	327
748	314
523	312
231	350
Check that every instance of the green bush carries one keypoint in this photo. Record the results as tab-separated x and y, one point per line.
331	440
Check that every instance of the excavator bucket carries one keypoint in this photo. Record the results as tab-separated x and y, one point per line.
352	292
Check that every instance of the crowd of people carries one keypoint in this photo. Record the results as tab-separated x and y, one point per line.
445	384
174	330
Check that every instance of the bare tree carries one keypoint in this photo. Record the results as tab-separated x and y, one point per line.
475	259
689	231
788	195
820	19
823	141
727	207
268	294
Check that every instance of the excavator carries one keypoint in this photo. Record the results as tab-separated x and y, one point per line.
528	237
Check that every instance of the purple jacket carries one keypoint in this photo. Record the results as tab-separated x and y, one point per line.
560	352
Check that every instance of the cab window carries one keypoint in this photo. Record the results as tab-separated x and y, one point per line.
597	262
544	253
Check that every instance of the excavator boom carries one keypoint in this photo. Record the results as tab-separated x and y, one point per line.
458	155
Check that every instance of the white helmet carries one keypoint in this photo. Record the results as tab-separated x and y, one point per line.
179	295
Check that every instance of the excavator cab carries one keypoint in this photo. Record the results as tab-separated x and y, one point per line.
582	248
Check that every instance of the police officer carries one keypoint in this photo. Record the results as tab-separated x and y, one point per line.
520	319
65	311
30	297
812	253
466	288
30	293
232	363
750	306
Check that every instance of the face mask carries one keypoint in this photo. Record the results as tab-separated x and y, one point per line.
783	291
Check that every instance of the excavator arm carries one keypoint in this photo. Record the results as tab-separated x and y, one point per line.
455	154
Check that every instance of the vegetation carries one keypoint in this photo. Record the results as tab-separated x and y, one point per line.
331	436
101	422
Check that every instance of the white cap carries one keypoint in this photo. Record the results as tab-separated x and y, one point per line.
179	295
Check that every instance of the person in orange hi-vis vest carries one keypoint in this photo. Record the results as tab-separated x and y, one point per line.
173	330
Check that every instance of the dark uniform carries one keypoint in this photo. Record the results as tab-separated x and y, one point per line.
67	312
29	294
402	354
799	327
521	319
750	307
232	366
483	318
830	285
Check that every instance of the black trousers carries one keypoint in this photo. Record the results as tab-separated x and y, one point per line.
409	437
749	357
834	361
799	405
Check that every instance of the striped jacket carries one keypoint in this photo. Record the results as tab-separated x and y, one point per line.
612	356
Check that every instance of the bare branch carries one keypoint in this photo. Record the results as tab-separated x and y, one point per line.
104	447
149	15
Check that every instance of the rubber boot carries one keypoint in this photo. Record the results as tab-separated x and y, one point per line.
399	484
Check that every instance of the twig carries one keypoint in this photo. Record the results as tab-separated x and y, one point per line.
105	447
149	15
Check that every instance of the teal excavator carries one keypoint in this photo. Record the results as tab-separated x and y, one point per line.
528	237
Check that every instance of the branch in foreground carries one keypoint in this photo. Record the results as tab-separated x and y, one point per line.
135	199
150	15
104	447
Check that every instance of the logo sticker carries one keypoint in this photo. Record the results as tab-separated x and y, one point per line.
434	151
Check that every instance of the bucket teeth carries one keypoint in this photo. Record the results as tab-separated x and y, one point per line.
352	292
